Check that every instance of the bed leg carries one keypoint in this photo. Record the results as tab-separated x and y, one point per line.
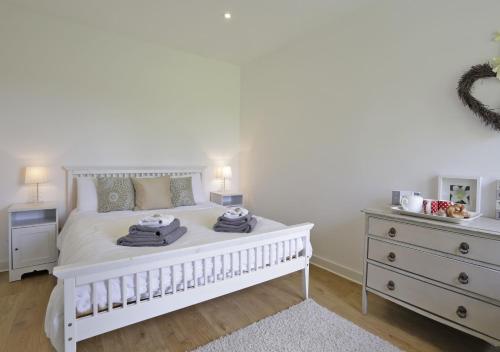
69	315
305	281
69	346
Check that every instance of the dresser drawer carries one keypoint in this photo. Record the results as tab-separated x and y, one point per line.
477	248
470	277
472	313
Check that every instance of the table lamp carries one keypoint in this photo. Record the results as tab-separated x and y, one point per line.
224	173
36	175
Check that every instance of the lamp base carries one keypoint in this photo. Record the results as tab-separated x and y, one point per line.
37	199
224	188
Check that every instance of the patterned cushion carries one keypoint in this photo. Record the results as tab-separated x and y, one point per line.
114	193
182	191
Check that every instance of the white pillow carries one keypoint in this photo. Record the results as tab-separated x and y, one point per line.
197	187
86	194
198	191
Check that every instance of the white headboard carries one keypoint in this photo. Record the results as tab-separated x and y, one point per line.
72	173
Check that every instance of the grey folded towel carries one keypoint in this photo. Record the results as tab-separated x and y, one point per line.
141	230
238	221
152	241
242	227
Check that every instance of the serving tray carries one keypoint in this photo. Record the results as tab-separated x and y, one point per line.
400	210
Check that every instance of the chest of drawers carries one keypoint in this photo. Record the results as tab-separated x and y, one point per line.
447	272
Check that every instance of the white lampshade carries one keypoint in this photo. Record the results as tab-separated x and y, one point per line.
218	173
36	174
226	172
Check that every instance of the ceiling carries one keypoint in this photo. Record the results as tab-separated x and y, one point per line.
198	26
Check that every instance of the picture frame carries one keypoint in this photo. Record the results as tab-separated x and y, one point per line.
461	190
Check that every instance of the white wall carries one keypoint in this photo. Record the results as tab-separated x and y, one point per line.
72	95
333	122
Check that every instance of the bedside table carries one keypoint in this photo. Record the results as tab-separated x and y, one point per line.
33	228
226	198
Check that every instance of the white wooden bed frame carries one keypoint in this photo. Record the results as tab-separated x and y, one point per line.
114	317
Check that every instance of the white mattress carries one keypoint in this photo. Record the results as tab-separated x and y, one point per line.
90	237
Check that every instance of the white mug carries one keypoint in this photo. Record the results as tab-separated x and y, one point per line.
412	203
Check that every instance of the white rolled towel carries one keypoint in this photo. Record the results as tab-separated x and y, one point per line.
235	213
156	220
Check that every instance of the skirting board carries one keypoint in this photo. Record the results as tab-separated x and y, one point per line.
4	266
338	269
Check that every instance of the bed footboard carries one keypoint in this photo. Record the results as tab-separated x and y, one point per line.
280	256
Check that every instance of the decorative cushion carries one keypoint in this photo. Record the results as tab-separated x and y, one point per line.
182	191
152	193
114	193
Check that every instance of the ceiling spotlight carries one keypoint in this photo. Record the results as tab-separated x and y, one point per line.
227	15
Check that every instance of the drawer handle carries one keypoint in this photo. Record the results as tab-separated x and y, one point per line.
391	285
392	232
391	256
463	278
464	248
16	249
462	312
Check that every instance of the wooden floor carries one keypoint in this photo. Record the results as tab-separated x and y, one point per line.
23	304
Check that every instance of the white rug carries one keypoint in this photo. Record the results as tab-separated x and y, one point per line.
306	326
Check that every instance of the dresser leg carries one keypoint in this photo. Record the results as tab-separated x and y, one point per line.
364	301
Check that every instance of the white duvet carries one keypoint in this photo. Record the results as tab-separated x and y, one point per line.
90	237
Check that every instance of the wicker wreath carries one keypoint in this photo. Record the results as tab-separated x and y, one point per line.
489	117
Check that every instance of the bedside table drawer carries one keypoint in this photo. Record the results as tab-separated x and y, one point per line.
226	199
33	246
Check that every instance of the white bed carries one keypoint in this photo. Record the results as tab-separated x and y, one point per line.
103	286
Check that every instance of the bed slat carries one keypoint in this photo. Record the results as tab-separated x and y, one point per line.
231	264
205	271
94	299
184	277
150	285
172	277
223	267
296	248
124	292
277	253
214	272
248	260
162	282
263	257
240	264
195	277
110	302
137	289
256	260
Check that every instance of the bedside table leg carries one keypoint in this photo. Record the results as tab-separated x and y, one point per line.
15	275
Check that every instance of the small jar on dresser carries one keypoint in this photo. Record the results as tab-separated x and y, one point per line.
447	272
33	228
227	198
